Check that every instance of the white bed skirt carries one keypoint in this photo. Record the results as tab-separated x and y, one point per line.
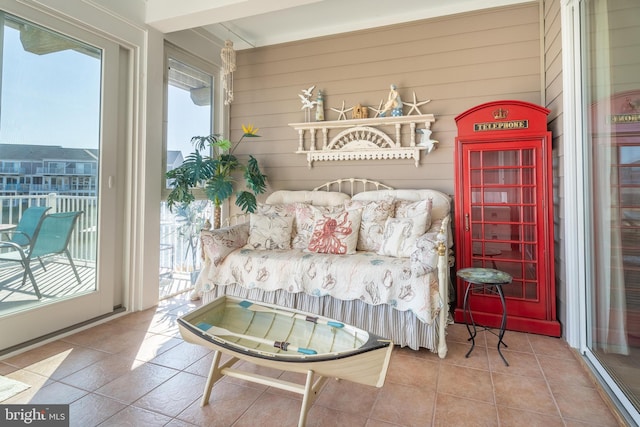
401	327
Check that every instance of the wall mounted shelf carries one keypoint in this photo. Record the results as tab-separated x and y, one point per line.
364	139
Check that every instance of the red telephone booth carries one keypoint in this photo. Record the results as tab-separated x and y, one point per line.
504	212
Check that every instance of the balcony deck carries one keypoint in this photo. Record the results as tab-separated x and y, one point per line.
58	281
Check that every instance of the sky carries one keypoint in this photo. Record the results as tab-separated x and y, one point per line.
54	99
51	99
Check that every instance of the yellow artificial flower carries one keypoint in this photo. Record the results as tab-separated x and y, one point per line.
249	130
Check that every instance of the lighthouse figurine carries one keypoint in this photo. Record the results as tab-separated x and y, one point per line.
319	107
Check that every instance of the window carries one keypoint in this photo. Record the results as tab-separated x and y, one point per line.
190	108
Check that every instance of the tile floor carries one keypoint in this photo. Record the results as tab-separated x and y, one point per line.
136	370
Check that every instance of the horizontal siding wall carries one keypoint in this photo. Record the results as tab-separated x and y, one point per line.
553	95
457	61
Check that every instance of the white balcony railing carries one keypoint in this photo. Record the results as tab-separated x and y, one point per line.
179	249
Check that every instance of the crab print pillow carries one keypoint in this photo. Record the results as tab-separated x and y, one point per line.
335	233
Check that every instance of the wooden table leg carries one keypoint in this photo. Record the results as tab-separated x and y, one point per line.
215	373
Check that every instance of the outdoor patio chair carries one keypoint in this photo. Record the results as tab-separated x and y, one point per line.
21	235
51	237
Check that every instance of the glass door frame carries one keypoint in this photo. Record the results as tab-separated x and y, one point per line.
578	200
23	328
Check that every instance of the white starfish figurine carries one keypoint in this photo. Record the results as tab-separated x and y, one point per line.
415	105
342	112
377	110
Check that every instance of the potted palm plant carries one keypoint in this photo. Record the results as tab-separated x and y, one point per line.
215	174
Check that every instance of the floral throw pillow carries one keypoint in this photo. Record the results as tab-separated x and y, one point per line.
305	219
217	244
400	235
335	233
269	232
277	209
407	209
374	216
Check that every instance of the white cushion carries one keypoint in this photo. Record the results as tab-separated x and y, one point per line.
441	202
316	198
277	209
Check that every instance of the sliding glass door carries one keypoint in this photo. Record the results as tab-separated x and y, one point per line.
611	54
58	143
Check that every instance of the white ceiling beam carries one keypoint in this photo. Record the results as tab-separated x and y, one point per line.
168	15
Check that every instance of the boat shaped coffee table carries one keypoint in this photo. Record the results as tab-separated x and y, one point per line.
285	339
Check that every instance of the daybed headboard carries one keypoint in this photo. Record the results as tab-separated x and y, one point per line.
365	189
339	190
354	185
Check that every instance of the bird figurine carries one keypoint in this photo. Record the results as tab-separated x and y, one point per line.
307	103
308	92
425	140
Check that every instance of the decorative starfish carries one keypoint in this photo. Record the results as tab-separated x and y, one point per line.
377	110
415	105
342	112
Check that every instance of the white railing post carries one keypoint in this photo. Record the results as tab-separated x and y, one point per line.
51	202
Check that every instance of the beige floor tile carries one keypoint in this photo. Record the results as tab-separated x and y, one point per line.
95	337
478	358
348	397
181	356
272	410
179	423
404	405
66	362
319	416
532	394
565	371
227	403
39	354
524	364
151	347
132	416
460	412
102	372
135	384
414	371
582	404
174	395
510	417
7	369
465	382
92	409
550	346
516	341
57	393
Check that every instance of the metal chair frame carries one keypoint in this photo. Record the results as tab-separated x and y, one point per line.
51	237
